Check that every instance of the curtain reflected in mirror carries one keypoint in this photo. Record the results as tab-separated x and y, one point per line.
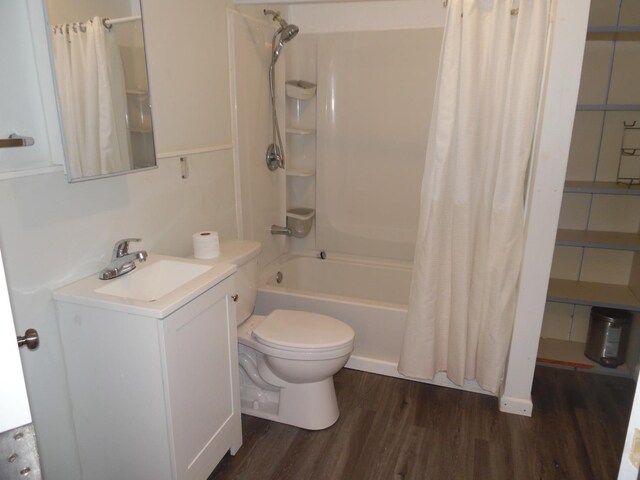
103	93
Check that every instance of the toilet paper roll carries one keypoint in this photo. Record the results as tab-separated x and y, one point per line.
206	245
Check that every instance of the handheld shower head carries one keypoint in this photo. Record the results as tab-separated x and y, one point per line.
286	32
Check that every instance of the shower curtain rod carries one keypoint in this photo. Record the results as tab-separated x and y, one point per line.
107	22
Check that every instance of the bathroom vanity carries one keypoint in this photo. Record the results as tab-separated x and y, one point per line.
152	370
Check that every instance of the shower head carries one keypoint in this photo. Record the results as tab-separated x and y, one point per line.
286	33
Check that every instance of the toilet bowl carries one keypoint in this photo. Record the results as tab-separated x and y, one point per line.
297	370
287	358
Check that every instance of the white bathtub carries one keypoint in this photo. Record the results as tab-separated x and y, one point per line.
372	297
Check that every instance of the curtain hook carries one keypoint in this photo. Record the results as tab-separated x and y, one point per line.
106	25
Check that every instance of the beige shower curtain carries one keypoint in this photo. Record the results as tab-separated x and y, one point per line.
470	237
93	99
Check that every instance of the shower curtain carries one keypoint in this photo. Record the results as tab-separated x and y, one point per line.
93	99
470	235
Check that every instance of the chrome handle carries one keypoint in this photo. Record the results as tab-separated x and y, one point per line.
16	140
234	297
30	338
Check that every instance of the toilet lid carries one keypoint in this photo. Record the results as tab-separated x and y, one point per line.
291	329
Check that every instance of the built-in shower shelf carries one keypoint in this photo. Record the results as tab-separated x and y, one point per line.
597	239
603	188
592	294
300	172
301	131
300	89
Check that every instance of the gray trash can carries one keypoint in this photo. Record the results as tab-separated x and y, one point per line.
608	336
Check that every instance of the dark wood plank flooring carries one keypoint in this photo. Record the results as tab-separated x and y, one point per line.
397	429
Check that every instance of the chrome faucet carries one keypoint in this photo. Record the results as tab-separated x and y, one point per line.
122	261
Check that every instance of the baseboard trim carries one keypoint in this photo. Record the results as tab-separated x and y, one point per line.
516	406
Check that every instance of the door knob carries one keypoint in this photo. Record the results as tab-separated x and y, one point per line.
30	338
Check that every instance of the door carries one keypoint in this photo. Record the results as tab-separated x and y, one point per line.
18	451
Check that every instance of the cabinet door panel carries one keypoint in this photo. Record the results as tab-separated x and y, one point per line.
199	357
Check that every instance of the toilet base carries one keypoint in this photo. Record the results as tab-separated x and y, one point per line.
312	406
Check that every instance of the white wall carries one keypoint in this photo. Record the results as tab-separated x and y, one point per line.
52	232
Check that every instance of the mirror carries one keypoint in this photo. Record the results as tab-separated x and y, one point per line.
98	51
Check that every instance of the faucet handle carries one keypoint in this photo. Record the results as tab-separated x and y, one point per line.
121	248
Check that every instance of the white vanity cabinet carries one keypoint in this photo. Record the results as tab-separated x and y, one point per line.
153	398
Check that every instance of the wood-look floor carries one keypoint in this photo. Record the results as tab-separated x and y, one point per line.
397	429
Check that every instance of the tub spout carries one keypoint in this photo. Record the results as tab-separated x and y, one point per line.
278	230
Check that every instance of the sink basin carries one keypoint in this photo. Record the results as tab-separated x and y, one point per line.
155	288
151	283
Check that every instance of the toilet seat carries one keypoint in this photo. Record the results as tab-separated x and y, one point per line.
297	331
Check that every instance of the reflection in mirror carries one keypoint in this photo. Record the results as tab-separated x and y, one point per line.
103	91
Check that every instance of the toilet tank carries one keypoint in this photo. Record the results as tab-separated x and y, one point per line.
244	255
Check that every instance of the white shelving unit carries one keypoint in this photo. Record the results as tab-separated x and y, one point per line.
569	352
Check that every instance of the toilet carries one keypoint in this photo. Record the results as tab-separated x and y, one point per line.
287	358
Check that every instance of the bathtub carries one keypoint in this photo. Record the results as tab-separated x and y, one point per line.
371	296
